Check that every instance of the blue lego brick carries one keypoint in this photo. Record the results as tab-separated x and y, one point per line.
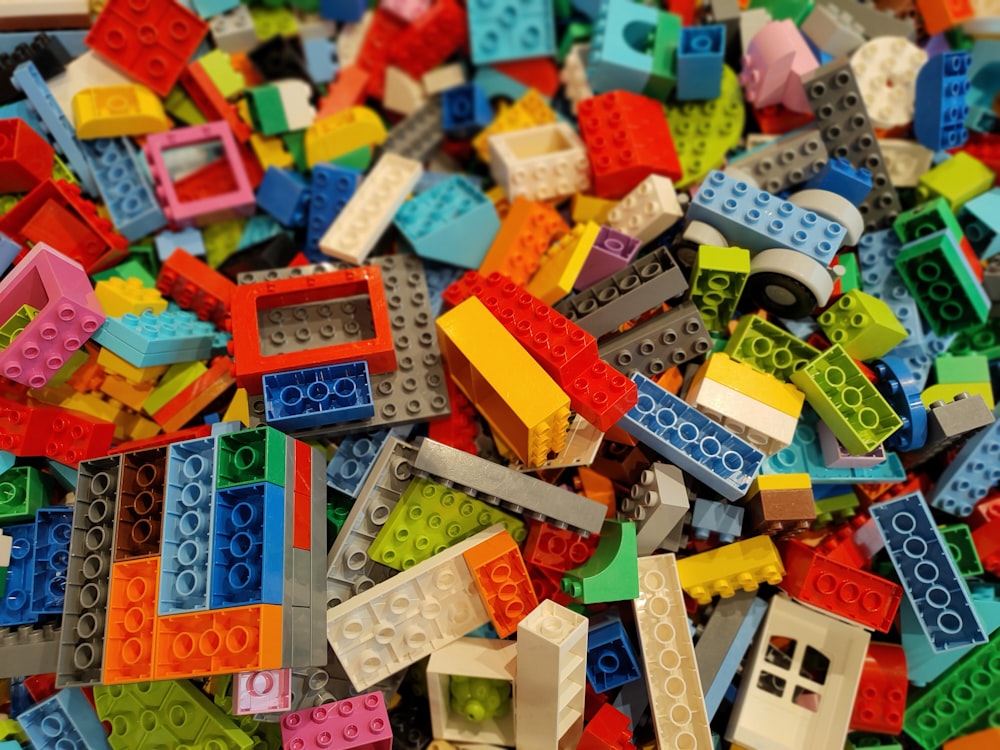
922	664
700	56
465	110
321	59
753	218
154	333
53	529
209	8
838	176
284	194
928	574
611	659
980	221
901	388
353	461
616	60
186	559
453	222
15	607
8	251
439	277
709	516
690	440
737	649
259	228
30	82
501	30
942	84
125	187
248	546
62	721
189	239
971	475
318	396
345	11
332	188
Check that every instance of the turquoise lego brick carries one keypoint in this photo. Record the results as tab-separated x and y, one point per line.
501	30
189	239
155	333
980	221
923	665
971	475
621	30
453	222
64	720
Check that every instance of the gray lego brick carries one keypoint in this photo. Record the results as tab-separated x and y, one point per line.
846	129
640	286
875	22
947	424
274	274
81	646
657	504
349	570
991	279
785	162
317	560
293	572
419	134
28	649
511	490
659	343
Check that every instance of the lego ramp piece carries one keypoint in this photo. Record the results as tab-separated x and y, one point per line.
610	574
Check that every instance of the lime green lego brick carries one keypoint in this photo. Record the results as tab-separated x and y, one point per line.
865	326
479	698
270	22
795	10
250	456
852	272
717	281
835	509
612	572
982	339
16	323
767	348
926	218
219	68
968	368
23	490
61	172
359	159
221	240
431	517
666	39
941	282
958	700
7	202
132	267
181	107
75	362
846	401
958	537
957	180
174	380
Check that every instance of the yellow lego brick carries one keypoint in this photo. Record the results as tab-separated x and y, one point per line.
530	110
132	426
133	395
522	404
92	404
120	296
339	134
947	392
239	409
725	570
243	110
559	267
589	208
780	482
760	386
113	111
271	152
174	380
111	362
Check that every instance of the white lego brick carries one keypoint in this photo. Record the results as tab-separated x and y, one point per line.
350	39
409	616
907	161
86	71
369	212
755	140
649	209
550	688
234	31
6	545
16	15
442	78
677	703
295	95
486	658
541	163
316	28
573	75
886	71
657	504
799	684
403	94
766	428
752	21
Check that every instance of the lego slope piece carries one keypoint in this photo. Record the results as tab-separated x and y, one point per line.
609	574
359	723
798	687
928	572
676	699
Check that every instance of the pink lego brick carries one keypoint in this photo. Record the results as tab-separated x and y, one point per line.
406	10
265	692
360	723
204	209
776	60
68	314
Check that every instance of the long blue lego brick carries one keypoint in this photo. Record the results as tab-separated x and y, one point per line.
738	645
928	573
124	186
53	531
248	545
971	475
15	606
755	219
64	720
692	441
318	396
186	546
353	461
941	87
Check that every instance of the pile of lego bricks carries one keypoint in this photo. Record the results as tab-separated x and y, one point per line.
546	374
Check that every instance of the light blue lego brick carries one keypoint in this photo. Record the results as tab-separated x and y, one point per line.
941	87
186	546
615	61
62	721
21	110
53	529
321	59
259	228
248	545
738	647
700	57
753	218
125	187
220	343
209	8
453	222
690	440
709	516
71	39
153	333
332	188
928	573
439	277
971	475
318	396
15	606
7	461
353	461
502	30
284	194
980	220
611	660
495	83
189	239
30	82
8	251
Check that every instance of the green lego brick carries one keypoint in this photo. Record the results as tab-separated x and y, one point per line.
846	400
612	572
250	456
337	510
666	40
717	281
959	699
956	180
941	281
982	339
779	10
926	218
23	490
859	741
958	537
431	517
967	368
770	349
577	32
359	159
865	326
295	145
16	323
267	110
132	267
7	202
852	272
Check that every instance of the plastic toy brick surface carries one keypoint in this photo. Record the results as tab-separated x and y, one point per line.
720	572
359	723
881	695
609	573
969	477
942	85
501	31
501	578
131	625
66	717
25	156
53	530
16	605
318	396
611	662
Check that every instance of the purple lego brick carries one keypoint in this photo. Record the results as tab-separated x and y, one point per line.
612	251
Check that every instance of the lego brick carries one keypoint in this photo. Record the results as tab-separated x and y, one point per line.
882	690
355	456
863	325
500	32
710	517
66	717
717	281
611	662
941	88
543	163
332	188
23	490
647	211
140	504
611	252
559	268
26	157
959	180
53	530
609	573
116	111
659	342
657	504
700	56
781	505
251	456
318	396
150	339
525	233
722	571
354	723
16	606
958	537
418	135
968	477
501	578
131	623
28	650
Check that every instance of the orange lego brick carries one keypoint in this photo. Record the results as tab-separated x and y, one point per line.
525	234
941	15
502	580
131	626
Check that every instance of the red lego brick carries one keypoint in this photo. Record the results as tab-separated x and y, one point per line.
557	549
195	286
25	157
985	510
502	580
778	120
68	437
593	702
383	34
881	697
302	497
151	41
458	429
843	591
206	96
348	90
40	686
987	541
839	544
199	396
431	39
986	148
627	139
539	73
608	730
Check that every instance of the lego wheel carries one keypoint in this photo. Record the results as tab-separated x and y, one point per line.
788	283
685	246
